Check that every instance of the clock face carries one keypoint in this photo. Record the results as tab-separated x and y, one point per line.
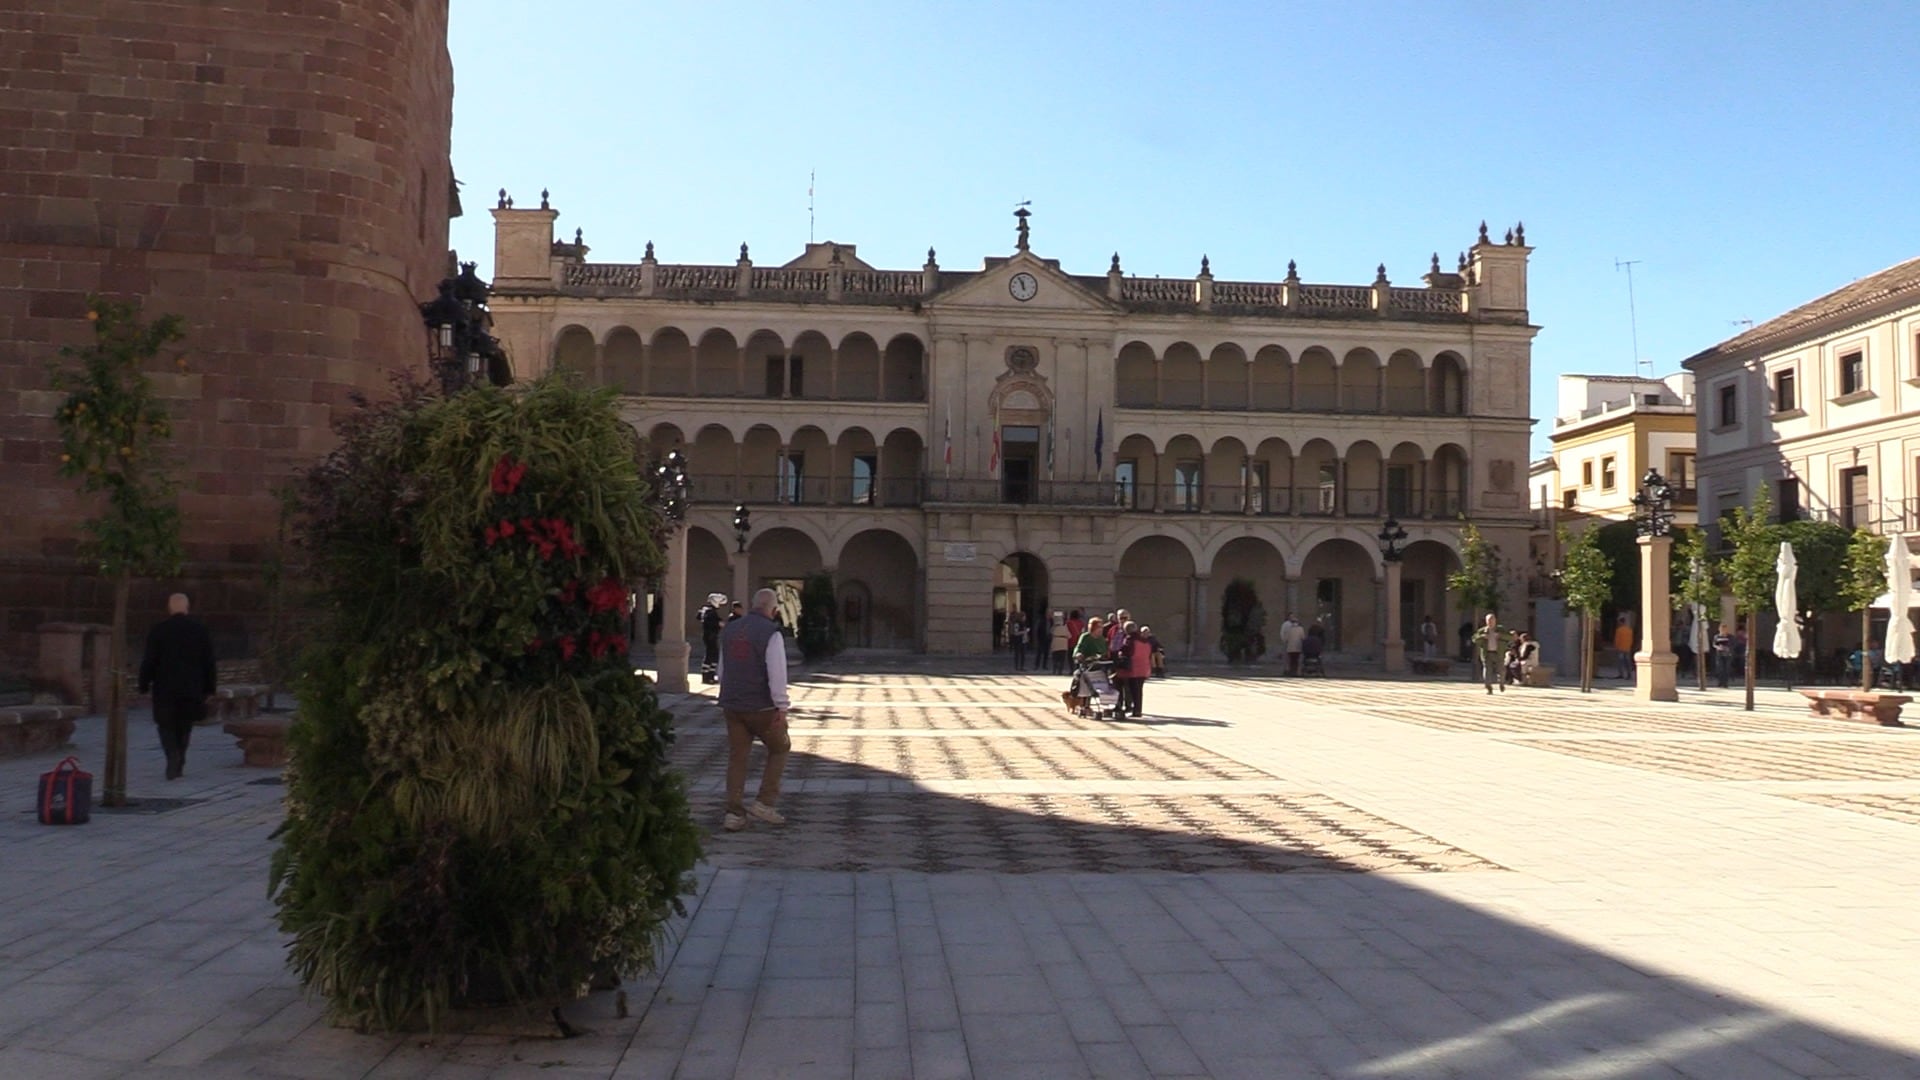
1022	286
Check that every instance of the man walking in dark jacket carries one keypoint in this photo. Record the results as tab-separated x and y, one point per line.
754	700
178	669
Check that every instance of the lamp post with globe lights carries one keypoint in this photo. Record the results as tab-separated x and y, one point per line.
670	655
1654	665
742	528
1393	539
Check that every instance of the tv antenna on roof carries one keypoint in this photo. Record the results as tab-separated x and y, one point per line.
1633	317
809	206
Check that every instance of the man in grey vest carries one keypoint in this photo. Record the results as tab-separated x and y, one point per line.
753	697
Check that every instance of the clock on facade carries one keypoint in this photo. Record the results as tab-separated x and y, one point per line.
1022	286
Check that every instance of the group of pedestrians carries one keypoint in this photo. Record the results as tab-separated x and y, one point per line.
1303	645
1129	647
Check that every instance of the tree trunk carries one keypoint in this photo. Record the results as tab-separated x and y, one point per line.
1753	664
1702	645
1586	652
114	790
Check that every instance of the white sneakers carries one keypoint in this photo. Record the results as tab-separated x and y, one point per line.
755	809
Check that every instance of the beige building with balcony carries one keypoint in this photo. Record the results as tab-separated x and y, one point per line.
1821	407
952	445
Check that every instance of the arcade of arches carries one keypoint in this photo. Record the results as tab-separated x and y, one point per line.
876	583
669	363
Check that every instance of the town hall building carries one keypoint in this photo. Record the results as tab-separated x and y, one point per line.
954	445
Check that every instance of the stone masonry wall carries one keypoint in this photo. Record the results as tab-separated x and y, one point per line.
278	174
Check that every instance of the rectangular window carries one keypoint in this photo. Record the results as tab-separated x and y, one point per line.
1729	413
792	466
1853	373
1856	510
1186	485
796	368
865	466
1123	474
1788	499
1253	479
1569	498
1680	469
1586	473
1785	398
776	376
1329	487
1608	476
1400	491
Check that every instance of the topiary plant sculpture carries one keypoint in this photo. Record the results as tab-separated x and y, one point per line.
479	805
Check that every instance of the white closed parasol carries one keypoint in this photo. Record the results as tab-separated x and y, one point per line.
1786	601
1899	647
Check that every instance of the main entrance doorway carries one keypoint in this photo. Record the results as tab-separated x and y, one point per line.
1019	584
1020	462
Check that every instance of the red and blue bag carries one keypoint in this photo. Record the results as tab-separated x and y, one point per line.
66	794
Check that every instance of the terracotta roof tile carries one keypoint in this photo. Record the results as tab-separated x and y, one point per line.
1896	280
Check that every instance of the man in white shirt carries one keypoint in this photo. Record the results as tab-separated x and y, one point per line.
753	698
1293	639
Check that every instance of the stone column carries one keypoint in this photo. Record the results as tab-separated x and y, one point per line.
670	655
1394	649
1654	663
1197	606
742	578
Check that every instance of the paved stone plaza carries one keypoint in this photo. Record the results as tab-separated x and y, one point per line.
1267	878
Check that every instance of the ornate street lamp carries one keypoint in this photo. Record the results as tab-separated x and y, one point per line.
670	655
1392	539
460	350
742	525
1653	505
670	481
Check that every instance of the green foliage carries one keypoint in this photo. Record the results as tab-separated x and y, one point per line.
1863	576
1587	579
819	631
1694	568
1755	545
113	433
1820	550
1243	622
1619	543
479	806
1477	582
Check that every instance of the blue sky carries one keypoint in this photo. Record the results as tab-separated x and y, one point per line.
1750	156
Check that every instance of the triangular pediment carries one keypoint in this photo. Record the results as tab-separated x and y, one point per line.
995	287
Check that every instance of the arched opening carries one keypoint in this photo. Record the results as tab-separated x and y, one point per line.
1339	589
780	559
1181	378
1227	376
1155	582
1449	384
1134	376
766	354
1447	482
669	364
1019	584
1405	471
1272	378
662	438
1316	479
1315	385
903	368
1270	485
760	468
856	468
1406	384
1360	381
1423	592
1257	561
1363	480
858	374
1183	474
573	352
716	365
1136	471
876	585
900	464
1227	477
708	571
713	466
623	362
806	473
807	371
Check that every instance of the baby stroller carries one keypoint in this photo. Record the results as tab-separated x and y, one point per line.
1093	691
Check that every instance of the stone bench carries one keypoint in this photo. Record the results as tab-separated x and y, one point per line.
240	701
262	739
1438	665
1863	706
31	729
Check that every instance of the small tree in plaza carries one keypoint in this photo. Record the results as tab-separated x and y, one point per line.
113	436
1478	582
1696	588
1862	580
1587	581
1242	622
479	803
1749	568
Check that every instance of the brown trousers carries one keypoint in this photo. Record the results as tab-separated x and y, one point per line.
742	728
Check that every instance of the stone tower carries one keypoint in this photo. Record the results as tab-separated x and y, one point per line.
278	175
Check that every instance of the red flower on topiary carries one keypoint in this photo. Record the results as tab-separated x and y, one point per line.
567	647
493	535
507	475
609	595
570	592
534	645
506	528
